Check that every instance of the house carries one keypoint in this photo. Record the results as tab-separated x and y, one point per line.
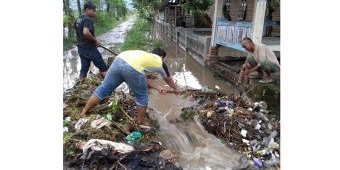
218	44
236	19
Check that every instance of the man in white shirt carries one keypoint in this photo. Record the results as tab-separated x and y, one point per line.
261	59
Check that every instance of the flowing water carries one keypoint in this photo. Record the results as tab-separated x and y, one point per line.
196	149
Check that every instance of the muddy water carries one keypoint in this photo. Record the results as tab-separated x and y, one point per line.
196	149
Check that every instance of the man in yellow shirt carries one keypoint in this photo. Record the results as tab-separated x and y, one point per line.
130	67
261	59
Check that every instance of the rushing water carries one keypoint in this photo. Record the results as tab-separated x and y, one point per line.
196	149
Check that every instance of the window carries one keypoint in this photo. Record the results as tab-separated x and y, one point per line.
242	11
226	10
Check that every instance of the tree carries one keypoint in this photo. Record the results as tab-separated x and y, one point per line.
116	8
79	8
68	16
147	8
197	6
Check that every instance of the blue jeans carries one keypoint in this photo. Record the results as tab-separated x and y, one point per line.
120	72
88	54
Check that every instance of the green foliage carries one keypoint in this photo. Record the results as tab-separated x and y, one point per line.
187	115
103	23
114	106
147	9
197	6
68	43
66	19
66	136
116	8
104	19
136	38
274	3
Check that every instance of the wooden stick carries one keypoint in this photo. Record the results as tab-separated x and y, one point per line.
126	114
109	50
122	130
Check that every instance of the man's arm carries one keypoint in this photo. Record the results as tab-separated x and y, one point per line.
160	89
172	84
254	68
93	100
89	36
167	79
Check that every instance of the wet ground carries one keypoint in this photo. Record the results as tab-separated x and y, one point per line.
193	146
111	40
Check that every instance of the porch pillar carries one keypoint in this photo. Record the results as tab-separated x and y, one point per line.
258	20
212	55
217	13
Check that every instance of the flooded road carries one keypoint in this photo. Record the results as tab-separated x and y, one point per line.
195	148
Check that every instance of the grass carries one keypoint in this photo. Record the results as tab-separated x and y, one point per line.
137	38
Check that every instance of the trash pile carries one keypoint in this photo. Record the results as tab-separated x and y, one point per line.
247	127
106	137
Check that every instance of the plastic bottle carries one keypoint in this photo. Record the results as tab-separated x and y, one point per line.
257	162
220	103
220	110
230	104
271	162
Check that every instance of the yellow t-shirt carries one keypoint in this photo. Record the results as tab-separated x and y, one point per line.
143	61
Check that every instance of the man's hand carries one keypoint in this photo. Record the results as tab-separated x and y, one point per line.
162	91
244	73
97	43
82	114
177	92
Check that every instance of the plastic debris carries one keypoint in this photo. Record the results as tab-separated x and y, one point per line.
220	103
135	135
230	104
244	133
68	119
80	123
221	110
245	141
258	135
108	117
257	162
99	144
144	127
209	113
273	144
99	123
257	127
65	129
123	87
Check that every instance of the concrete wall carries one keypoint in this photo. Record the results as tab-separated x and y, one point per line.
226	52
